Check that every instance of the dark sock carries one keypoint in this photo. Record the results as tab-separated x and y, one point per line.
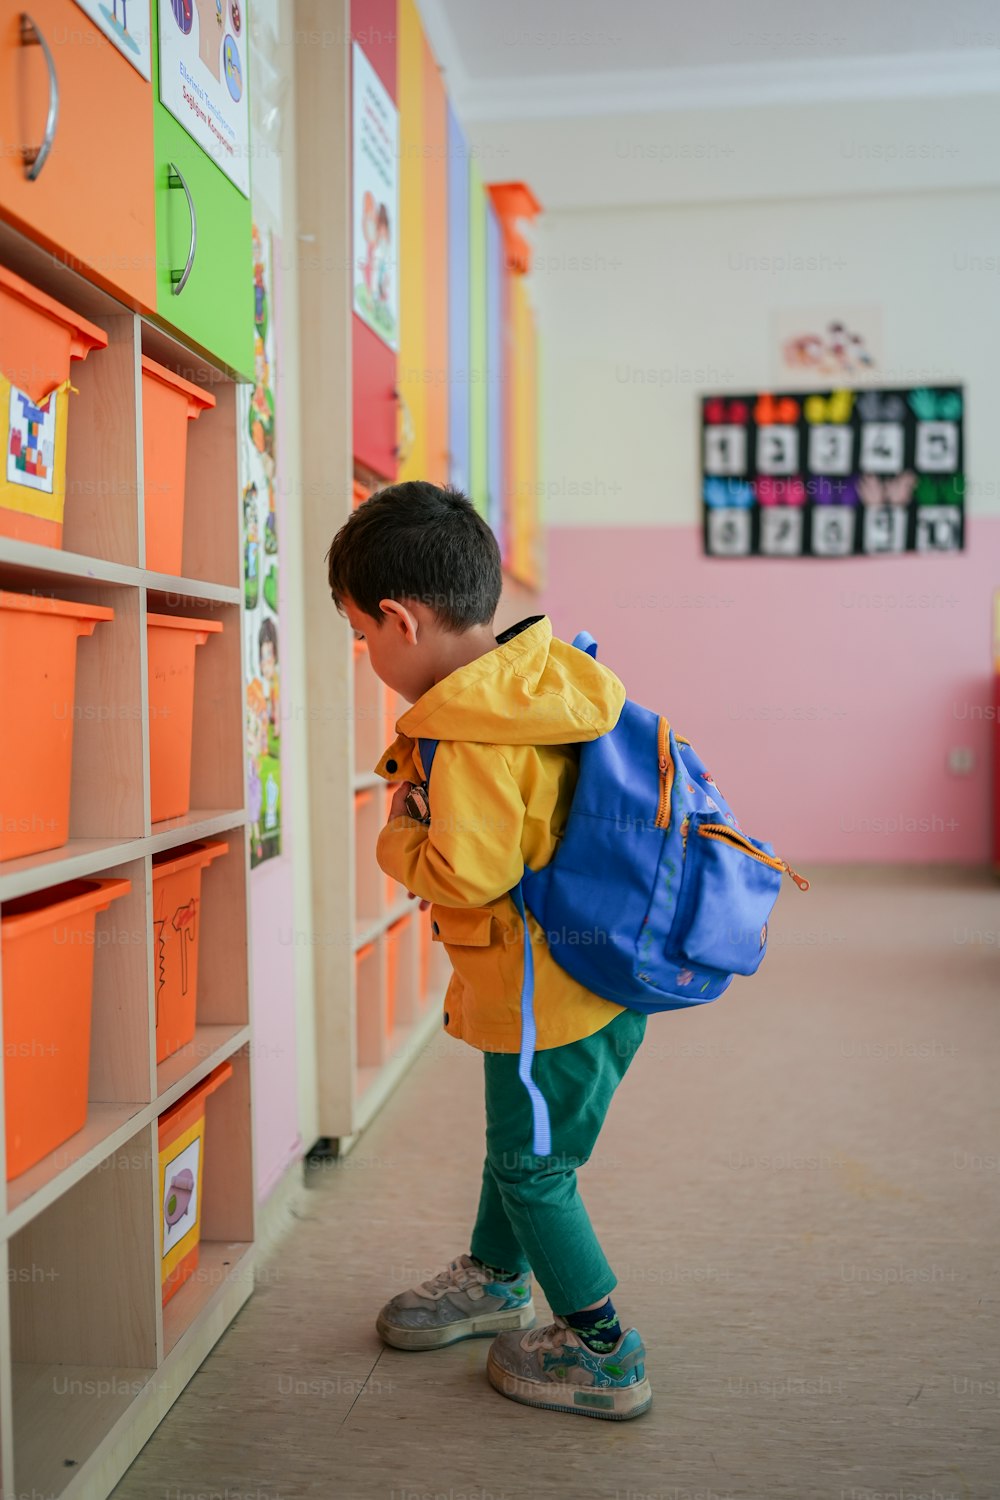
496	1274
599	1327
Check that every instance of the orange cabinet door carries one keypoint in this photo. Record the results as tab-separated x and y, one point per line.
91	201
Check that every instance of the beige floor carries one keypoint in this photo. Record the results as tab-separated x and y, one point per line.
799	1188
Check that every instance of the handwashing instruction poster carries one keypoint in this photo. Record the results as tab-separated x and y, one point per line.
376	202
203	52
125	23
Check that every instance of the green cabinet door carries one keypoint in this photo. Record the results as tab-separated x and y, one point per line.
214	306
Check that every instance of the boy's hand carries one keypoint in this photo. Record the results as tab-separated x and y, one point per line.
397	808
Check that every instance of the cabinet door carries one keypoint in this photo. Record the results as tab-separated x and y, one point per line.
373	373
458	303
436	270
478	476
92	198
214	307
494	374
412	239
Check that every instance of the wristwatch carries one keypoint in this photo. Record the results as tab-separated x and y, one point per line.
417	805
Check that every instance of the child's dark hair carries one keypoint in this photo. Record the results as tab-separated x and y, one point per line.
419	542
268	633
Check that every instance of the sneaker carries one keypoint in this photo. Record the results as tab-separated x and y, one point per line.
553	1367
460	1303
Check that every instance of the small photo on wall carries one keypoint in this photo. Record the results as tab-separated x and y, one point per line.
812	345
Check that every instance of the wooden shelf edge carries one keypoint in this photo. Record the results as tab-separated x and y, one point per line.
124	1442
21	1213
377	1091
77	567
192	589
36	1202
375	929
238	1034
194	825
81	857
75	860
364	781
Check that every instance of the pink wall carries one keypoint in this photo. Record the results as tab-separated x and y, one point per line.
825	696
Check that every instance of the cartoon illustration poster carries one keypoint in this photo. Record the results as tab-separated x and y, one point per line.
811	345
125	23
376	202
203	83
258	470
833	473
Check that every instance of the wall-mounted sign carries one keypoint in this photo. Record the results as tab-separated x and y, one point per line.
203	83
833	473
125	23
375	202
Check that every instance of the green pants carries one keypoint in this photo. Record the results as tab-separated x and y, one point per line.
530	1210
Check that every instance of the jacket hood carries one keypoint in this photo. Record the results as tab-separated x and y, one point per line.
533	689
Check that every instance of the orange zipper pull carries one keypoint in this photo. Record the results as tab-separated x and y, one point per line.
663	765
800	880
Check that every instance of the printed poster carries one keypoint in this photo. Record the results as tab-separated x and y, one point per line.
125	23
258	469
814	345
203	83
376	202
836	473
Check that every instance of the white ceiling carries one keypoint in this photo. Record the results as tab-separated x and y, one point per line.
510	59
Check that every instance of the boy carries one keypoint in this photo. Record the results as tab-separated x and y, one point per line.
417	573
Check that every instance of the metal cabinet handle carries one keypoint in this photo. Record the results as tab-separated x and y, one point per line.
35	157
175	179
404	446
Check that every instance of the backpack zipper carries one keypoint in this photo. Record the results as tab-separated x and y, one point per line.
729	835
666	776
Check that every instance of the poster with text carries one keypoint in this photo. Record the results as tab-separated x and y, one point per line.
125	23
262	654
376	202
203	82
839	473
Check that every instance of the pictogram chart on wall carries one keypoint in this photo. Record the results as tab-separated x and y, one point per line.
833	473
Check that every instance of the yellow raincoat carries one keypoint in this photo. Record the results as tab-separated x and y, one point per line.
503	780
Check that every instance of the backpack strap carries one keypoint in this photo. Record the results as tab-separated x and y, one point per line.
584	641
427	749
541	1127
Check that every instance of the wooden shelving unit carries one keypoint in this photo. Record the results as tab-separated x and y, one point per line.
90	1360
367	1034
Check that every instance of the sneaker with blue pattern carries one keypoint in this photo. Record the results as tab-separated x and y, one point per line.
464	1301
552	1367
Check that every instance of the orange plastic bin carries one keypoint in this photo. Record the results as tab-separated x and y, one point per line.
176	930
38	639
39	337
172	641
48	942
182	1166
168	404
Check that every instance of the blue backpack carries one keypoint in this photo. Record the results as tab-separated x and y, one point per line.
655	897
